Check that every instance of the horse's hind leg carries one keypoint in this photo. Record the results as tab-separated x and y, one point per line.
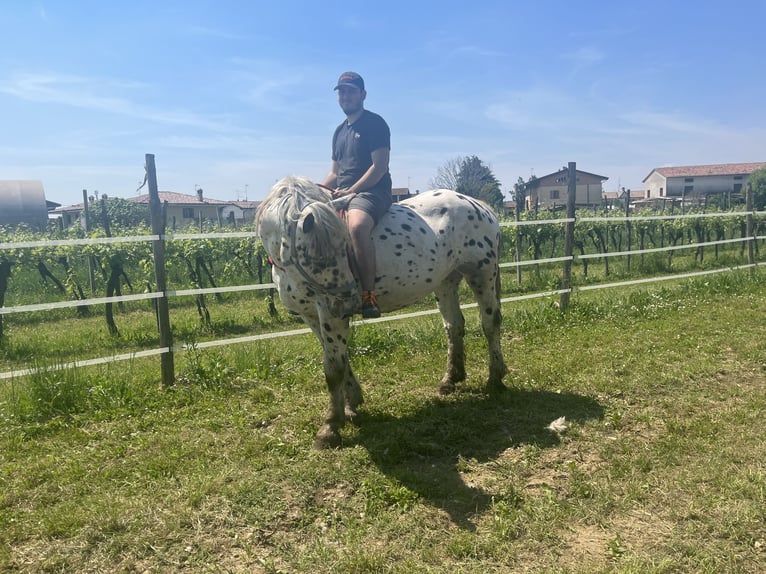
353	395
454	325
486	288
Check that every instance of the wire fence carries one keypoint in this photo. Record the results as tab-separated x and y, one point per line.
166	348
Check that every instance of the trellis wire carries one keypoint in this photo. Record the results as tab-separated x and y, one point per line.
396	317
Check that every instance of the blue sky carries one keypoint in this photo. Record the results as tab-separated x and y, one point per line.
231	96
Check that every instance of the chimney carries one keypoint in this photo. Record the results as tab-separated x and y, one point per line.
199	194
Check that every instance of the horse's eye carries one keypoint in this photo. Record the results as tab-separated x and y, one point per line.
308	223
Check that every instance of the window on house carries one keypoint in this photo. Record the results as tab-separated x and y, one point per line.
688	188
662	192
188	213
688	179
737	177
554	194
737	188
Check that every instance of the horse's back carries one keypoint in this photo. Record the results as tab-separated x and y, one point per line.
425	239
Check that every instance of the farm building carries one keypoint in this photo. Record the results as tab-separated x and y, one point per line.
551	191
23	202
401	193
698	181
182	209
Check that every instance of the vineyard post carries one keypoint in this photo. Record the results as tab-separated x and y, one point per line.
517	231
91	259
628	226
566	279
158	250
749	227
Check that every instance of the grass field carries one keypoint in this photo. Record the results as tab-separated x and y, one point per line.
659	469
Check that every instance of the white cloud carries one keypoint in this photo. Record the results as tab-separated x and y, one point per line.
536	108
90	93
672	123
585	56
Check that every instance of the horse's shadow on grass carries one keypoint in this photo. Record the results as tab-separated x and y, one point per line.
423	450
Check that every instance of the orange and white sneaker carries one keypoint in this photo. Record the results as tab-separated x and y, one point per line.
370	309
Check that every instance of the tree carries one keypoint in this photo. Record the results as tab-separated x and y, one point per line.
491	195
477	180
519	192
446	175
758	182
469	176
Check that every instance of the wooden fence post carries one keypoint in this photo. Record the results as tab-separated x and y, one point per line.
517	231
566	278
628	226
749	228
158	250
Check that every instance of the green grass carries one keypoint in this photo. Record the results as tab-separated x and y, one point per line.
661	469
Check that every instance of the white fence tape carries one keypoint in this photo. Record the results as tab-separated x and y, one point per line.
303	331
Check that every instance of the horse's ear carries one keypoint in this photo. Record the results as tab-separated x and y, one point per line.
308	223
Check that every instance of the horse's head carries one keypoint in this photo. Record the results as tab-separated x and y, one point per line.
306	239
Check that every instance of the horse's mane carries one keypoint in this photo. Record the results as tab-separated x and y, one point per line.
290	197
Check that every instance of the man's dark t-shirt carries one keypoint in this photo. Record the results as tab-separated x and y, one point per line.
352	147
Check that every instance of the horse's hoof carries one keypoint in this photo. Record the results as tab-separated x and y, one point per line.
496	387
350	414
447	388
327	438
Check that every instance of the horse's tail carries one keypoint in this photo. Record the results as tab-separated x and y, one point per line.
497	283
497	264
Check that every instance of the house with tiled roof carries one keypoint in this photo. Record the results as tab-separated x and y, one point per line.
696	181
551	191
182	209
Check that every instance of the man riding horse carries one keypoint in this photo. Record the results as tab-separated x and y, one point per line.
361	147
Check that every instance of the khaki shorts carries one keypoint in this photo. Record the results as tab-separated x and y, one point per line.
374	204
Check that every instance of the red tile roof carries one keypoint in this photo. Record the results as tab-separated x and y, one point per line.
171	197
179	199
714	169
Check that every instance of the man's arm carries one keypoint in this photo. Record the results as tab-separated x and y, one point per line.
378	169
331	179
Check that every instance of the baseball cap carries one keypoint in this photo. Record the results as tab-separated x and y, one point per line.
350	79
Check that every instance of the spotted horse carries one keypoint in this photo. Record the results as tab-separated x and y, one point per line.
425	244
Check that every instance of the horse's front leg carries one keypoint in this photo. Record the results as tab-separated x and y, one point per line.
345	393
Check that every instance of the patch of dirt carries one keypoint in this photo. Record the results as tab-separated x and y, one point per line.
585	545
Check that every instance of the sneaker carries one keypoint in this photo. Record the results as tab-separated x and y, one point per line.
370	309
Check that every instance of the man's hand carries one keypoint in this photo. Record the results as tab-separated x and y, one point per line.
342	192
